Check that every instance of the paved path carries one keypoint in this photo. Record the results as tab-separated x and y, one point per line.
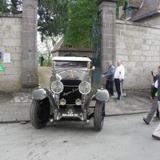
123	138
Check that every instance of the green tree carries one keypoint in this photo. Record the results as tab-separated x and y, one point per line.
120	3
52	17
3	6
79	25
16	6
11	6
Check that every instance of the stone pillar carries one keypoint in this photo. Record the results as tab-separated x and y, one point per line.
107	10
29	44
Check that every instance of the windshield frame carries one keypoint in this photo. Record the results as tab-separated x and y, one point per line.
85	65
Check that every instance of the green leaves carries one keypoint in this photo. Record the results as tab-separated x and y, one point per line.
3	6
52	17
79	25
11	6
71	18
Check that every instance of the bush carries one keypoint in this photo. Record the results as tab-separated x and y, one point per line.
47	62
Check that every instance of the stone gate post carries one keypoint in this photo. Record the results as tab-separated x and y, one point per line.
29	44
107	9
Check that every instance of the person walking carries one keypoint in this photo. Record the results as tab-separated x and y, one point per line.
118	78
155	101
154	90
156	133
109	74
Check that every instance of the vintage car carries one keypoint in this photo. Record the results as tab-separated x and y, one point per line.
73	94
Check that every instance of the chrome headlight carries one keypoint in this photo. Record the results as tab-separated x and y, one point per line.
84	87
78	102
57	87
62	102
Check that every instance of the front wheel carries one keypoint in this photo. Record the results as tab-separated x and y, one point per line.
39	113
99	114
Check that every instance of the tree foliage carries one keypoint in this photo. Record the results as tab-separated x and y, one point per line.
11	6
16	6
79	24
120	3
3	6
52	17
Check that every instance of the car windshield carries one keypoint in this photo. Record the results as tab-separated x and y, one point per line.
72	74
70	64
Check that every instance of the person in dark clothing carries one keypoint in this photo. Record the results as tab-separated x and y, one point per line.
41	60
156	99
110	78
154	90
156	133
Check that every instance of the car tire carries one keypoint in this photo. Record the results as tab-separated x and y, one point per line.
99	114
39	114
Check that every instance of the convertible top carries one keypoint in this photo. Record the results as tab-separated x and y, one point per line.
83	59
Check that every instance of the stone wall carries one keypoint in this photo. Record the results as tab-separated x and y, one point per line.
139	47
10	42
18	37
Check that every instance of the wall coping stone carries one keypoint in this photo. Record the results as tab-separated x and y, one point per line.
100	1
136	24
6	15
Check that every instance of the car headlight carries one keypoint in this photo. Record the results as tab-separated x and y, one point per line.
62	102
84	87
78	102
57	87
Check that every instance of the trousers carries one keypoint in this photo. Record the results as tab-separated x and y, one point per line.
118	88
109	87
154	108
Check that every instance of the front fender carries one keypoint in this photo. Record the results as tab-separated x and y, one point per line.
41	94
102	95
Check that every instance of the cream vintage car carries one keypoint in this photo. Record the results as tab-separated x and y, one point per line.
74	94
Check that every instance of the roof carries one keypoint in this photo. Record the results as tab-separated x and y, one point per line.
135	3
146	8
61	47
79	59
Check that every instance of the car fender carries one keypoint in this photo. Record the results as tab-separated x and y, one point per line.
102	95
41	94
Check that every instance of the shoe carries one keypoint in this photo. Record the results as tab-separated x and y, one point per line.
118	100
147	123
156	137
156	118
